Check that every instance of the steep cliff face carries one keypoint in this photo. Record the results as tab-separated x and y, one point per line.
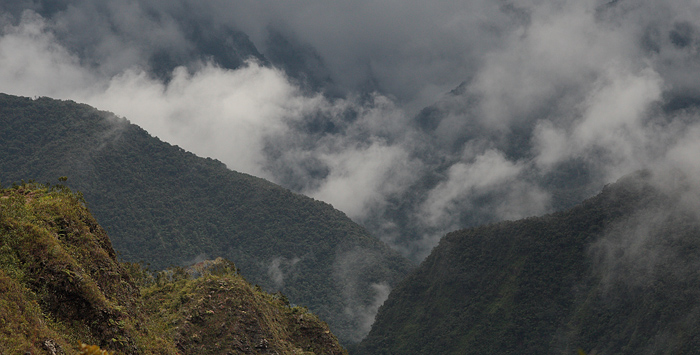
614	275
61	284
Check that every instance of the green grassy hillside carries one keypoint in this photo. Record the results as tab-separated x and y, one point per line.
164	206
61	280
221	313
617	274
61	285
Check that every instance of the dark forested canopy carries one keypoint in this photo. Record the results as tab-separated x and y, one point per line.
164	206
617	274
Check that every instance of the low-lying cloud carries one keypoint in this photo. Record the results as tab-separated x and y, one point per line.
552	101
279	268
362	296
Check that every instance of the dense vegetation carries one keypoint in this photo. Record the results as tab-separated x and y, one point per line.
163	206
617	274
221	313
61	284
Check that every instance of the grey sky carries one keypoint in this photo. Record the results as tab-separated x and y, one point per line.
556	95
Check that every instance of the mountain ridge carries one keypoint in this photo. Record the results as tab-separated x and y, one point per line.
581	278
62	286
164	206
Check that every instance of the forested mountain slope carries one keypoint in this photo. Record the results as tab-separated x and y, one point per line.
616	274
164	206
61	285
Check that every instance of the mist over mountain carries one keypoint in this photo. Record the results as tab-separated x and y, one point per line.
616	274
165	207
414	119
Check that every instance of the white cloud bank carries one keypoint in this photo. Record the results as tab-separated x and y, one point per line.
545	84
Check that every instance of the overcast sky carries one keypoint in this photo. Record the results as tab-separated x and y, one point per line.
520	93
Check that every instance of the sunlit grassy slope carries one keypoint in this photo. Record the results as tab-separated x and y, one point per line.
61	284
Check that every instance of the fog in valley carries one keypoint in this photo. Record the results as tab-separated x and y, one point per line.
413	118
